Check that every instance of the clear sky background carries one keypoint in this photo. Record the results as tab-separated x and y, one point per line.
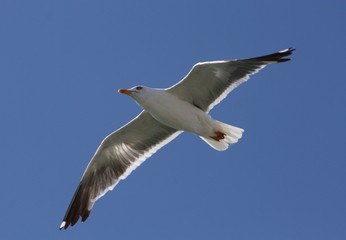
62	62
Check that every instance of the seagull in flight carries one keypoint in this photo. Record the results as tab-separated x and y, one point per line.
166	113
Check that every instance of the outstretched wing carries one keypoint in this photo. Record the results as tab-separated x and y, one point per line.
208	83
117	156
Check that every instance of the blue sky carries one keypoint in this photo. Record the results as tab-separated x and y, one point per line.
62	62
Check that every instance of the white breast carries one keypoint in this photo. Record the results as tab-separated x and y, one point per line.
178	114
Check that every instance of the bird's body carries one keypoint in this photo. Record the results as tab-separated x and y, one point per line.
176	113
166	113
173	112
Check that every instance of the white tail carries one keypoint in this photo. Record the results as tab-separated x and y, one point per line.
231	135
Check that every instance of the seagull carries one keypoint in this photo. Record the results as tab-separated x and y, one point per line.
166	114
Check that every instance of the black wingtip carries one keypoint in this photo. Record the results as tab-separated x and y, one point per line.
284	53
77	209
276	57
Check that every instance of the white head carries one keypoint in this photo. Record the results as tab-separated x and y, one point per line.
140	94
132	91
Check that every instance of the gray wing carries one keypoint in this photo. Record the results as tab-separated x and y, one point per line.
117	156
209	82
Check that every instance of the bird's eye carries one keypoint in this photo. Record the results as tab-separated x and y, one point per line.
139	88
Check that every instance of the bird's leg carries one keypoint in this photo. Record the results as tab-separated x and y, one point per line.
218	136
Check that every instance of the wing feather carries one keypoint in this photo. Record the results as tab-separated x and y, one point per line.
209	82
117	156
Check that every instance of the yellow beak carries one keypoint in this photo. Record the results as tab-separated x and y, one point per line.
125	91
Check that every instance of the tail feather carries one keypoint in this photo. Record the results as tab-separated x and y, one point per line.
232	135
